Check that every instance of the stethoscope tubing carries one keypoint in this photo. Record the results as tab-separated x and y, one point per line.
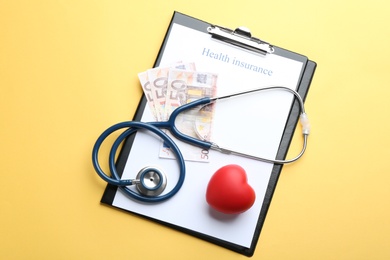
170	124
133	127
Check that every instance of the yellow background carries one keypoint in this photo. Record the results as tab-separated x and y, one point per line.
68	70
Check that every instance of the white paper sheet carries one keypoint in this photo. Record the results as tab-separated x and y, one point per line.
253	123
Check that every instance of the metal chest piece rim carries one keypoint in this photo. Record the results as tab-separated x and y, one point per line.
151	181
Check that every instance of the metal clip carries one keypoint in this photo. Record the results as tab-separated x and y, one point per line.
240	37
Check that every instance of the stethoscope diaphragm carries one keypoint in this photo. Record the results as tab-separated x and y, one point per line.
150	181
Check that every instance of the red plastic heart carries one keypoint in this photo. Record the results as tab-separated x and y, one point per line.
228	190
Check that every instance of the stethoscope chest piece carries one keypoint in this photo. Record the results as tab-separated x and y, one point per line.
150	181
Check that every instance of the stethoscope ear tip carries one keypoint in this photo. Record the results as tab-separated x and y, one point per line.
150	181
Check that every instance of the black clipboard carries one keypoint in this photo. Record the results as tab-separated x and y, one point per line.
304	82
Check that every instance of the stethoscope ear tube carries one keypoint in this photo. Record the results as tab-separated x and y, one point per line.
132	128
304	120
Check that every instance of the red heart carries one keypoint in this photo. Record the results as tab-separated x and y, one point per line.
228	190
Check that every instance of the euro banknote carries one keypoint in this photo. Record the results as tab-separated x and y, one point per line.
184	87
158	79
169	87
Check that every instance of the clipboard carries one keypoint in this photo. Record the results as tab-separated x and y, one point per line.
239	41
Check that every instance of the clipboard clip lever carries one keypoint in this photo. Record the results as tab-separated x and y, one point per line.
240	37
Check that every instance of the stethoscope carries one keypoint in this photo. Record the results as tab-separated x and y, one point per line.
150	182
